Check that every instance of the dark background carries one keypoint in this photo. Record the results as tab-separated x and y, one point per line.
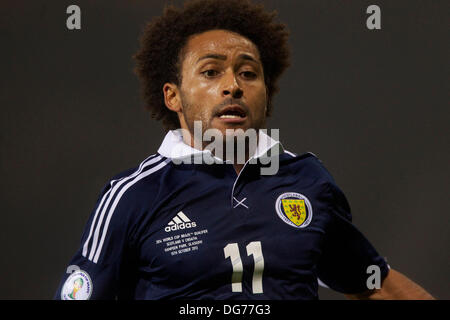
373	105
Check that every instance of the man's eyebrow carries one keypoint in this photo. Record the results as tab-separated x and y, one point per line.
223	57
213	56
248	57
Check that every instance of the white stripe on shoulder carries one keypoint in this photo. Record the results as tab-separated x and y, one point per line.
290	153
153	156
112	195
130	182
106	197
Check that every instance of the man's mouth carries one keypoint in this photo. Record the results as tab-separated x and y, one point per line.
232	113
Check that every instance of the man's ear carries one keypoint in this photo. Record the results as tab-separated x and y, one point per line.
172	97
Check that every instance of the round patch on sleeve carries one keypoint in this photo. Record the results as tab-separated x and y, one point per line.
78	286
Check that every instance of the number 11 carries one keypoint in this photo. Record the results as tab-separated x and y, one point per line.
253	248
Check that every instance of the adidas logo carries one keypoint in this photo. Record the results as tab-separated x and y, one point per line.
179	222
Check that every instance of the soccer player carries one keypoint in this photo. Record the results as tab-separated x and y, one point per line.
189	223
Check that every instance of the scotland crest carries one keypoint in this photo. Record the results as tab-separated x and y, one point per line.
294	209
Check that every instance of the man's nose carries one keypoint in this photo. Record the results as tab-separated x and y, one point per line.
231	87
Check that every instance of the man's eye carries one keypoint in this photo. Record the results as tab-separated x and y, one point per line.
248	74
210	73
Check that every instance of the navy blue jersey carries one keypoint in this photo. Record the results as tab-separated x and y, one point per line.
166	230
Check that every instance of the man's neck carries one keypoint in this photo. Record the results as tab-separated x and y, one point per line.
237	161
238	167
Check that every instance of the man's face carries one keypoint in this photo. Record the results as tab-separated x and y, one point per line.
222	83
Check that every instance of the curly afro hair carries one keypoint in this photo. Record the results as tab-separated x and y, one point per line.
158	60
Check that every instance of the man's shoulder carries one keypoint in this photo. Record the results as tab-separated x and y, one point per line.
151	162
142	179
306	164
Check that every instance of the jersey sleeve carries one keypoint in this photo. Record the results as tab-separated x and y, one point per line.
346	254
94	272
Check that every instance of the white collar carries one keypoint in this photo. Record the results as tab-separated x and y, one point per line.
174	147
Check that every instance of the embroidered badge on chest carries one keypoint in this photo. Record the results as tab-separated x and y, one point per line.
294	209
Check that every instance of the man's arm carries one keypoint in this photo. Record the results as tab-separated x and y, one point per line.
395	286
